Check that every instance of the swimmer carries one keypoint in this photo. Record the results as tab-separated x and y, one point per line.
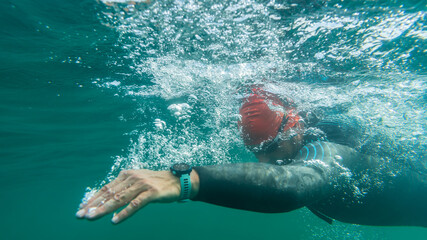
334	175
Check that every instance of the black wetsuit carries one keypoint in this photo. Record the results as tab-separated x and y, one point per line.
331	179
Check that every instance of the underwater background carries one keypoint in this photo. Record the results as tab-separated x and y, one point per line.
91	87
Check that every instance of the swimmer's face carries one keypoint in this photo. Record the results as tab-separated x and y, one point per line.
286	149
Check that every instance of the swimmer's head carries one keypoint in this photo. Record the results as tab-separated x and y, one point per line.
267	120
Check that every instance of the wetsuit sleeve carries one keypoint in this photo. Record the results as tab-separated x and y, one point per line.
269	188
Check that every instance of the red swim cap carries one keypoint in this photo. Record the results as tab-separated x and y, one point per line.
261	116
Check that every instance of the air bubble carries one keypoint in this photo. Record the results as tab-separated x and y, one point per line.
159	124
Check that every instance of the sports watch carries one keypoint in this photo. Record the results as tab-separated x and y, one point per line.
183	170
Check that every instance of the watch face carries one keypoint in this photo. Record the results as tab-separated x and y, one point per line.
181	167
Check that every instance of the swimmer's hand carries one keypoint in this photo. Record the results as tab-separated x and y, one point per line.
137	188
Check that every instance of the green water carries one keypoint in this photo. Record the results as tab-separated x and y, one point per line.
80	87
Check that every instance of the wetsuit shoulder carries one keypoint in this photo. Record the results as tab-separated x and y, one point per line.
341	129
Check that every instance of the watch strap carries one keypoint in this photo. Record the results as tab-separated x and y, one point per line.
185	187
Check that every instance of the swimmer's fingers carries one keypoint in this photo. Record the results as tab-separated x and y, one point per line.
105	193
110	188
115	202
143	186
160	187
139	202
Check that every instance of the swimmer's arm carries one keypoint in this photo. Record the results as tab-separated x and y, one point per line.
261	187
250	186
264	187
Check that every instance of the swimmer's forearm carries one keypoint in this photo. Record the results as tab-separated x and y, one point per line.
259	187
